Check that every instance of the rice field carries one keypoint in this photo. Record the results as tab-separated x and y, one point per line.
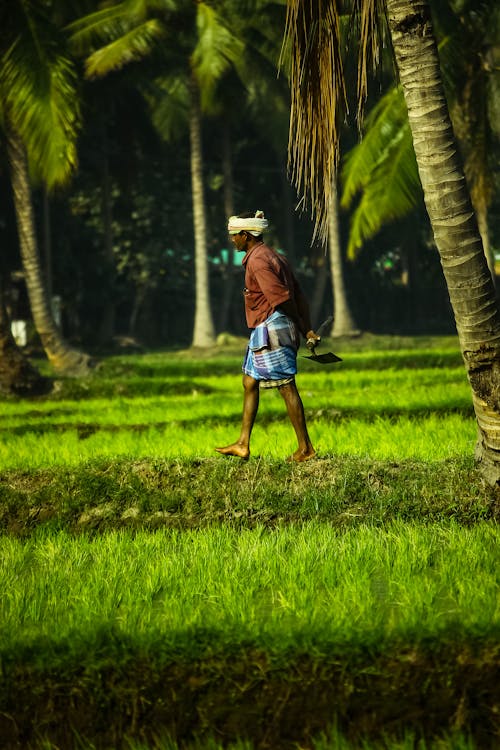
252	584
393	413
309	586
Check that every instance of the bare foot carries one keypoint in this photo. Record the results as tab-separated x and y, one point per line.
236	449
301	455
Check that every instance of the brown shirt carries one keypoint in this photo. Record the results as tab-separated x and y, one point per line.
269	281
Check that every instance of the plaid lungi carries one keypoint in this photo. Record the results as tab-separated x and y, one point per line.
271	356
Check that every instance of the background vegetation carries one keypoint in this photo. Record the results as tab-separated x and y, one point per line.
119	235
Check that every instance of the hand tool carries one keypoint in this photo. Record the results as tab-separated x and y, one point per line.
322	359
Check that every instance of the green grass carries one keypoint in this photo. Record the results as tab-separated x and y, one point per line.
156	593
166	405
332	740
431	438
308	587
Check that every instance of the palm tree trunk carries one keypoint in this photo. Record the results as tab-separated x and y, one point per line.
64	359
343	320
107	326
203	335
482	220
453	221
318	293
47	242
227	170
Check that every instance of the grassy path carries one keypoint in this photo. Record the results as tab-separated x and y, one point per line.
151	494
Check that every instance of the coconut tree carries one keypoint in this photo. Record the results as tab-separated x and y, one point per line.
382	167
317	79
193	44
343	319
39	119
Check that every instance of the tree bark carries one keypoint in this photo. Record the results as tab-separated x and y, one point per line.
203	335
318	293
343	320
107	326
482	220
47	242
229	275
64	359
469	281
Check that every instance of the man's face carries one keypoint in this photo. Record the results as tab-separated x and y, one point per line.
240	241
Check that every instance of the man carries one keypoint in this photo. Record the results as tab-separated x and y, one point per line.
277	312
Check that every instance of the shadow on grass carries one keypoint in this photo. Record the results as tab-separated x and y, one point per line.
113	689
329	416
172	367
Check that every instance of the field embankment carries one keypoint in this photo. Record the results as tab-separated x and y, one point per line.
343	491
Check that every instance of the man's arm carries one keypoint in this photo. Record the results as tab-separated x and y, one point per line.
300	315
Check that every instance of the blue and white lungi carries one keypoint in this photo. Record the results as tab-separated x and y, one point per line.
271	356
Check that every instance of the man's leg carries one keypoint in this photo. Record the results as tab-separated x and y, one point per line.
295	410
250	406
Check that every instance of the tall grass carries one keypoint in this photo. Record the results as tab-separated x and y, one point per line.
162	406
431	438
307	586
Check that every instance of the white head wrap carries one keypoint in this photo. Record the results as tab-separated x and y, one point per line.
255	225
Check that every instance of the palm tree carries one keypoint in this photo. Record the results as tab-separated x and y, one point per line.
204	331
470	81
194	45
40	123
382	169
382	166
317	78
343	319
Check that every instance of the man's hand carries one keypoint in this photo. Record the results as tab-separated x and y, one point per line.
312	340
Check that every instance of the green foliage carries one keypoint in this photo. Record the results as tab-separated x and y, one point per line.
218	49
132	45
39	93
169	102
383	168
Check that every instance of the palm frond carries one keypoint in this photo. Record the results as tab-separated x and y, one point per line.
38	88
392	191
217	50
104	25
169	103
317	98
382	125
131	46
369	17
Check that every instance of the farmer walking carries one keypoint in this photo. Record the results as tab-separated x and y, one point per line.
277	313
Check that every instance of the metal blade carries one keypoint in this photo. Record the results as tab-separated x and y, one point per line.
324	359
